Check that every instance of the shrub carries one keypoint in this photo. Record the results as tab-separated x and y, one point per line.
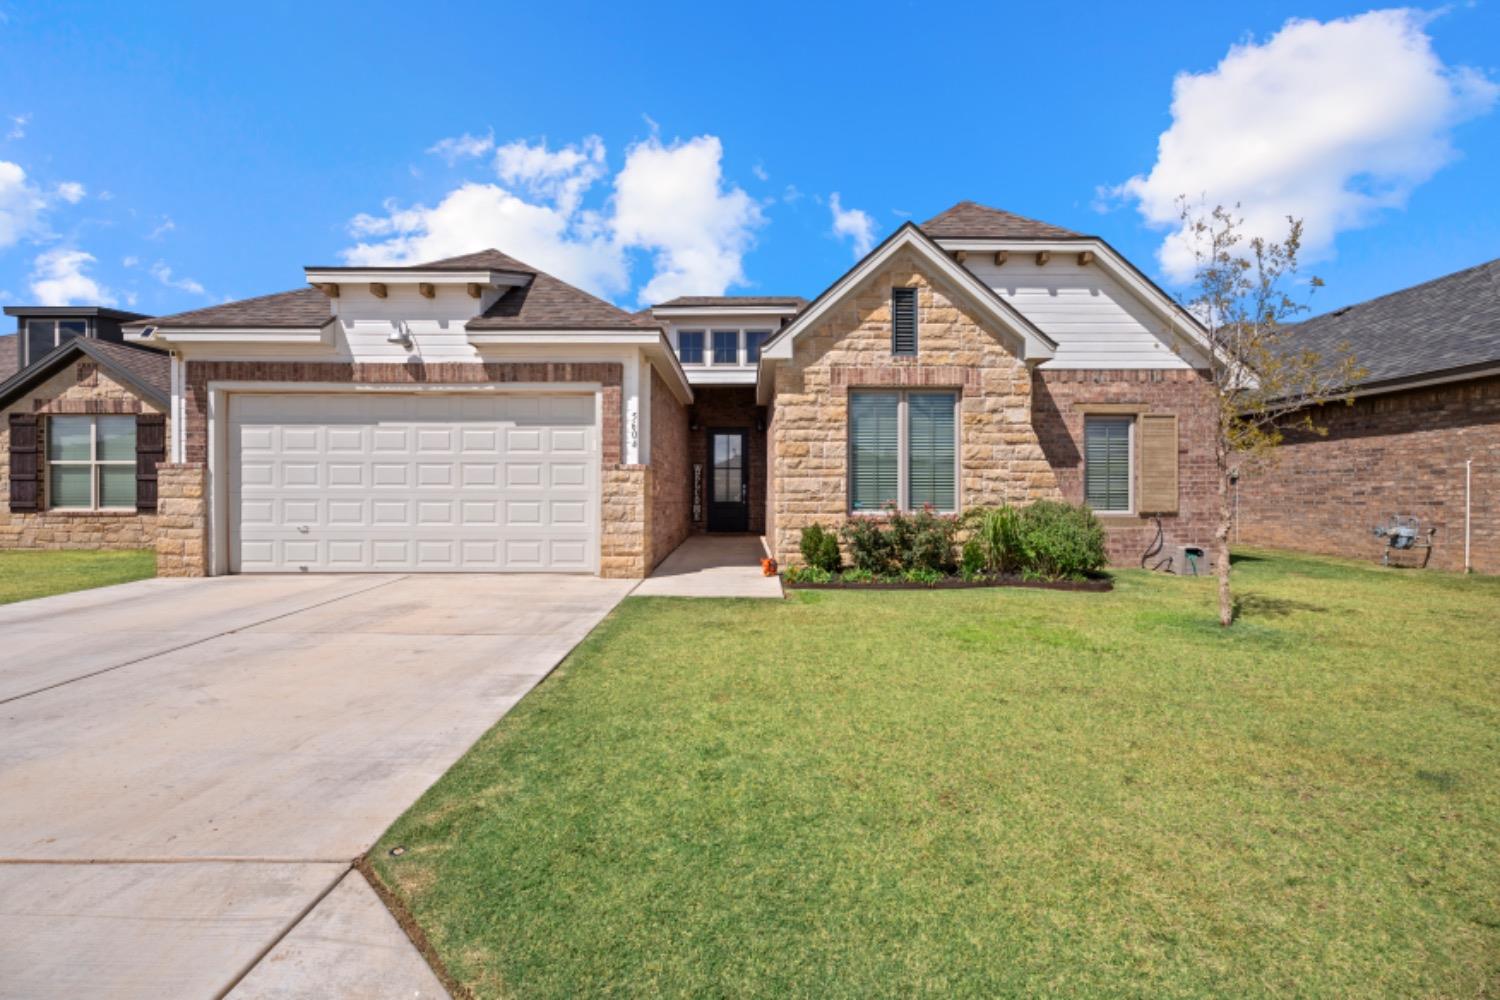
807	574
973	562
1059	541
923	540
857	576
820	548
870	547
922	575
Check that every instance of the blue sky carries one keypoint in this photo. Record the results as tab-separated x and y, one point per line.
171	156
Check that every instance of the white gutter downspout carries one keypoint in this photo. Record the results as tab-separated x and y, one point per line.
176	408
1468	509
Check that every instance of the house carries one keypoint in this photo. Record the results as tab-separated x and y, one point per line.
82	425
1422	437
477	413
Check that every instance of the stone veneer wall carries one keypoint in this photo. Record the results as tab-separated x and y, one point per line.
626	549
1002	459
1060	400
729	407
182	515
1394	453
671	476
80	388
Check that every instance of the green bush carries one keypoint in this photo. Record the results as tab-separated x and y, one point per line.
820	548
1060	541
807	574
922	575
870	547
973	563
857	576
923	540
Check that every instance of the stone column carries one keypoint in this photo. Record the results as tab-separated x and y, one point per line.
625	539
182	519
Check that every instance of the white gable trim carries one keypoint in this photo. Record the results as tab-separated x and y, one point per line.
1179	321
1035	346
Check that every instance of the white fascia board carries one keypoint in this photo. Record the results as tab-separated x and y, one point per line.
721	312
652	343
721	376
231	335
1035	346
407	276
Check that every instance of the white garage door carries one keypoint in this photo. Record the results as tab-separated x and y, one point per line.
382	482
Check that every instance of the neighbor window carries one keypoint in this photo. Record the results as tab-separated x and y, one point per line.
753	340
91	463
42	335
690	347
1106	463
904	321
903	450
726	347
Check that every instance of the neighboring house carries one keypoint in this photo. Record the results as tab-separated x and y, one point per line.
82	428
477	413
1422	437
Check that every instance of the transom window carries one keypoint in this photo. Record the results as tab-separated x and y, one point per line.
91	463
903	450
690	347
1106	463
42	335
726	347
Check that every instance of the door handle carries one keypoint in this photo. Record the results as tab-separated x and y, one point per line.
744	491
302	528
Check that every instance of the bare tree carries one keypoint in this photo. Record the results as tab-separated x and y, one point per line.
1264	384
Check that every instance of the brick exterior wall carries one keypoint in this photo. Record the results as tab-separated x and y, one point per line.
1060	401
671	475
727	408
1002	460
182	512
80	389
1394	453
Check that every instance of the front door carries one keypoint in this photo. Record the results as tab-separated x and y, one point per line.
729	481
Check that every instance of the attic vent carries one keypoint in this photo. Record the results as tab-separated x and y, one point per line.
904	322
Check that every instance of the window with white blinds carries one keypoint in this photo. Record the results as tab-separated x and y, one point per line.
1106	463
91	463
903	450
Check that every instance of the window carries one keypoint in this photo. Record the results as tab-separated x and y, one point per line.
753	340
91	463
903	449
1106	463
726	347
42	335
690	347
904	321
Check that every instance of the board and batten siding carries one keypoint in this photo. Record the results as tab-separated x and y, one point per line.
1096	321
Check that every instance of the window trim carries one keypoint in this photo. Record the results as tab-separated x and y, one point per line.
903	449
702	347
713	347
1132	421
94	462
916	324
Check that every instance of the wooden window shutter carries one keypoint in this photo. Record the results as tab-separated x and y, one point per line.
904	321
25	464
1158	457
150	448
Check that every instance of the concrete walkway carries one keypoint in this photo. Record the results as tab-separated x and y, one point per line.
712	566
188	769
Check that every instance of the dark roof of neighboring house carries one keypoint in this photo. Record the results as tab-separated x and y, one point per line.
777	301
543	303
971	221
1445	325
146	371
10	355
69	312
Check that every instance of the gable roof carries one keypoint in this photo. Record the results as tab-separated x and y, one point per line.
1035	345
970	220
144	370
1445	325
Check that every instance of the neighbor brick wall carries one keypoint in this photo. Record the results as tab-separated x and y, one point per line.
671	485
1002	459
727	408
1059	403
1394	453
80	388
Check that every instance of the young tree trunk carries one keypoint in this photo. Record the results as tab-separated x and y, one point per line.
1221	545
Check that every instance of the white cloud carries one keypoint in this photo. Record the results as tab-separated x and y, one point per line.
670	201
71	192
21	205
1330	122
853	224
18	125
162	273
463	147
58	279
760	173
162	228
130	262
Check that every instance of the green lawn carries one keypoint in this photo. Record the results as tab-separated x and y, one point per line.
989	793
24	575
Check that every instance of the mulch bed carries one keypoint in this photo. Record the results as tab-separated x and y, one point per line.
1098	586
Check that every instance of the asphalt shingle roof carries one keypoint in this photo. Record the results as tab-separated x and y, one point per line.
302	307
145	369
971	221
1448	323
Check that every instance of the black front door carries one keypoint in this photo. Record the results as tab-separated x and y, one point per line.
728	481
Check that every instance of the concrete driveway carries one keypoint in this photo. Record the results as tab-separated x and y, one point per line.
187	768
